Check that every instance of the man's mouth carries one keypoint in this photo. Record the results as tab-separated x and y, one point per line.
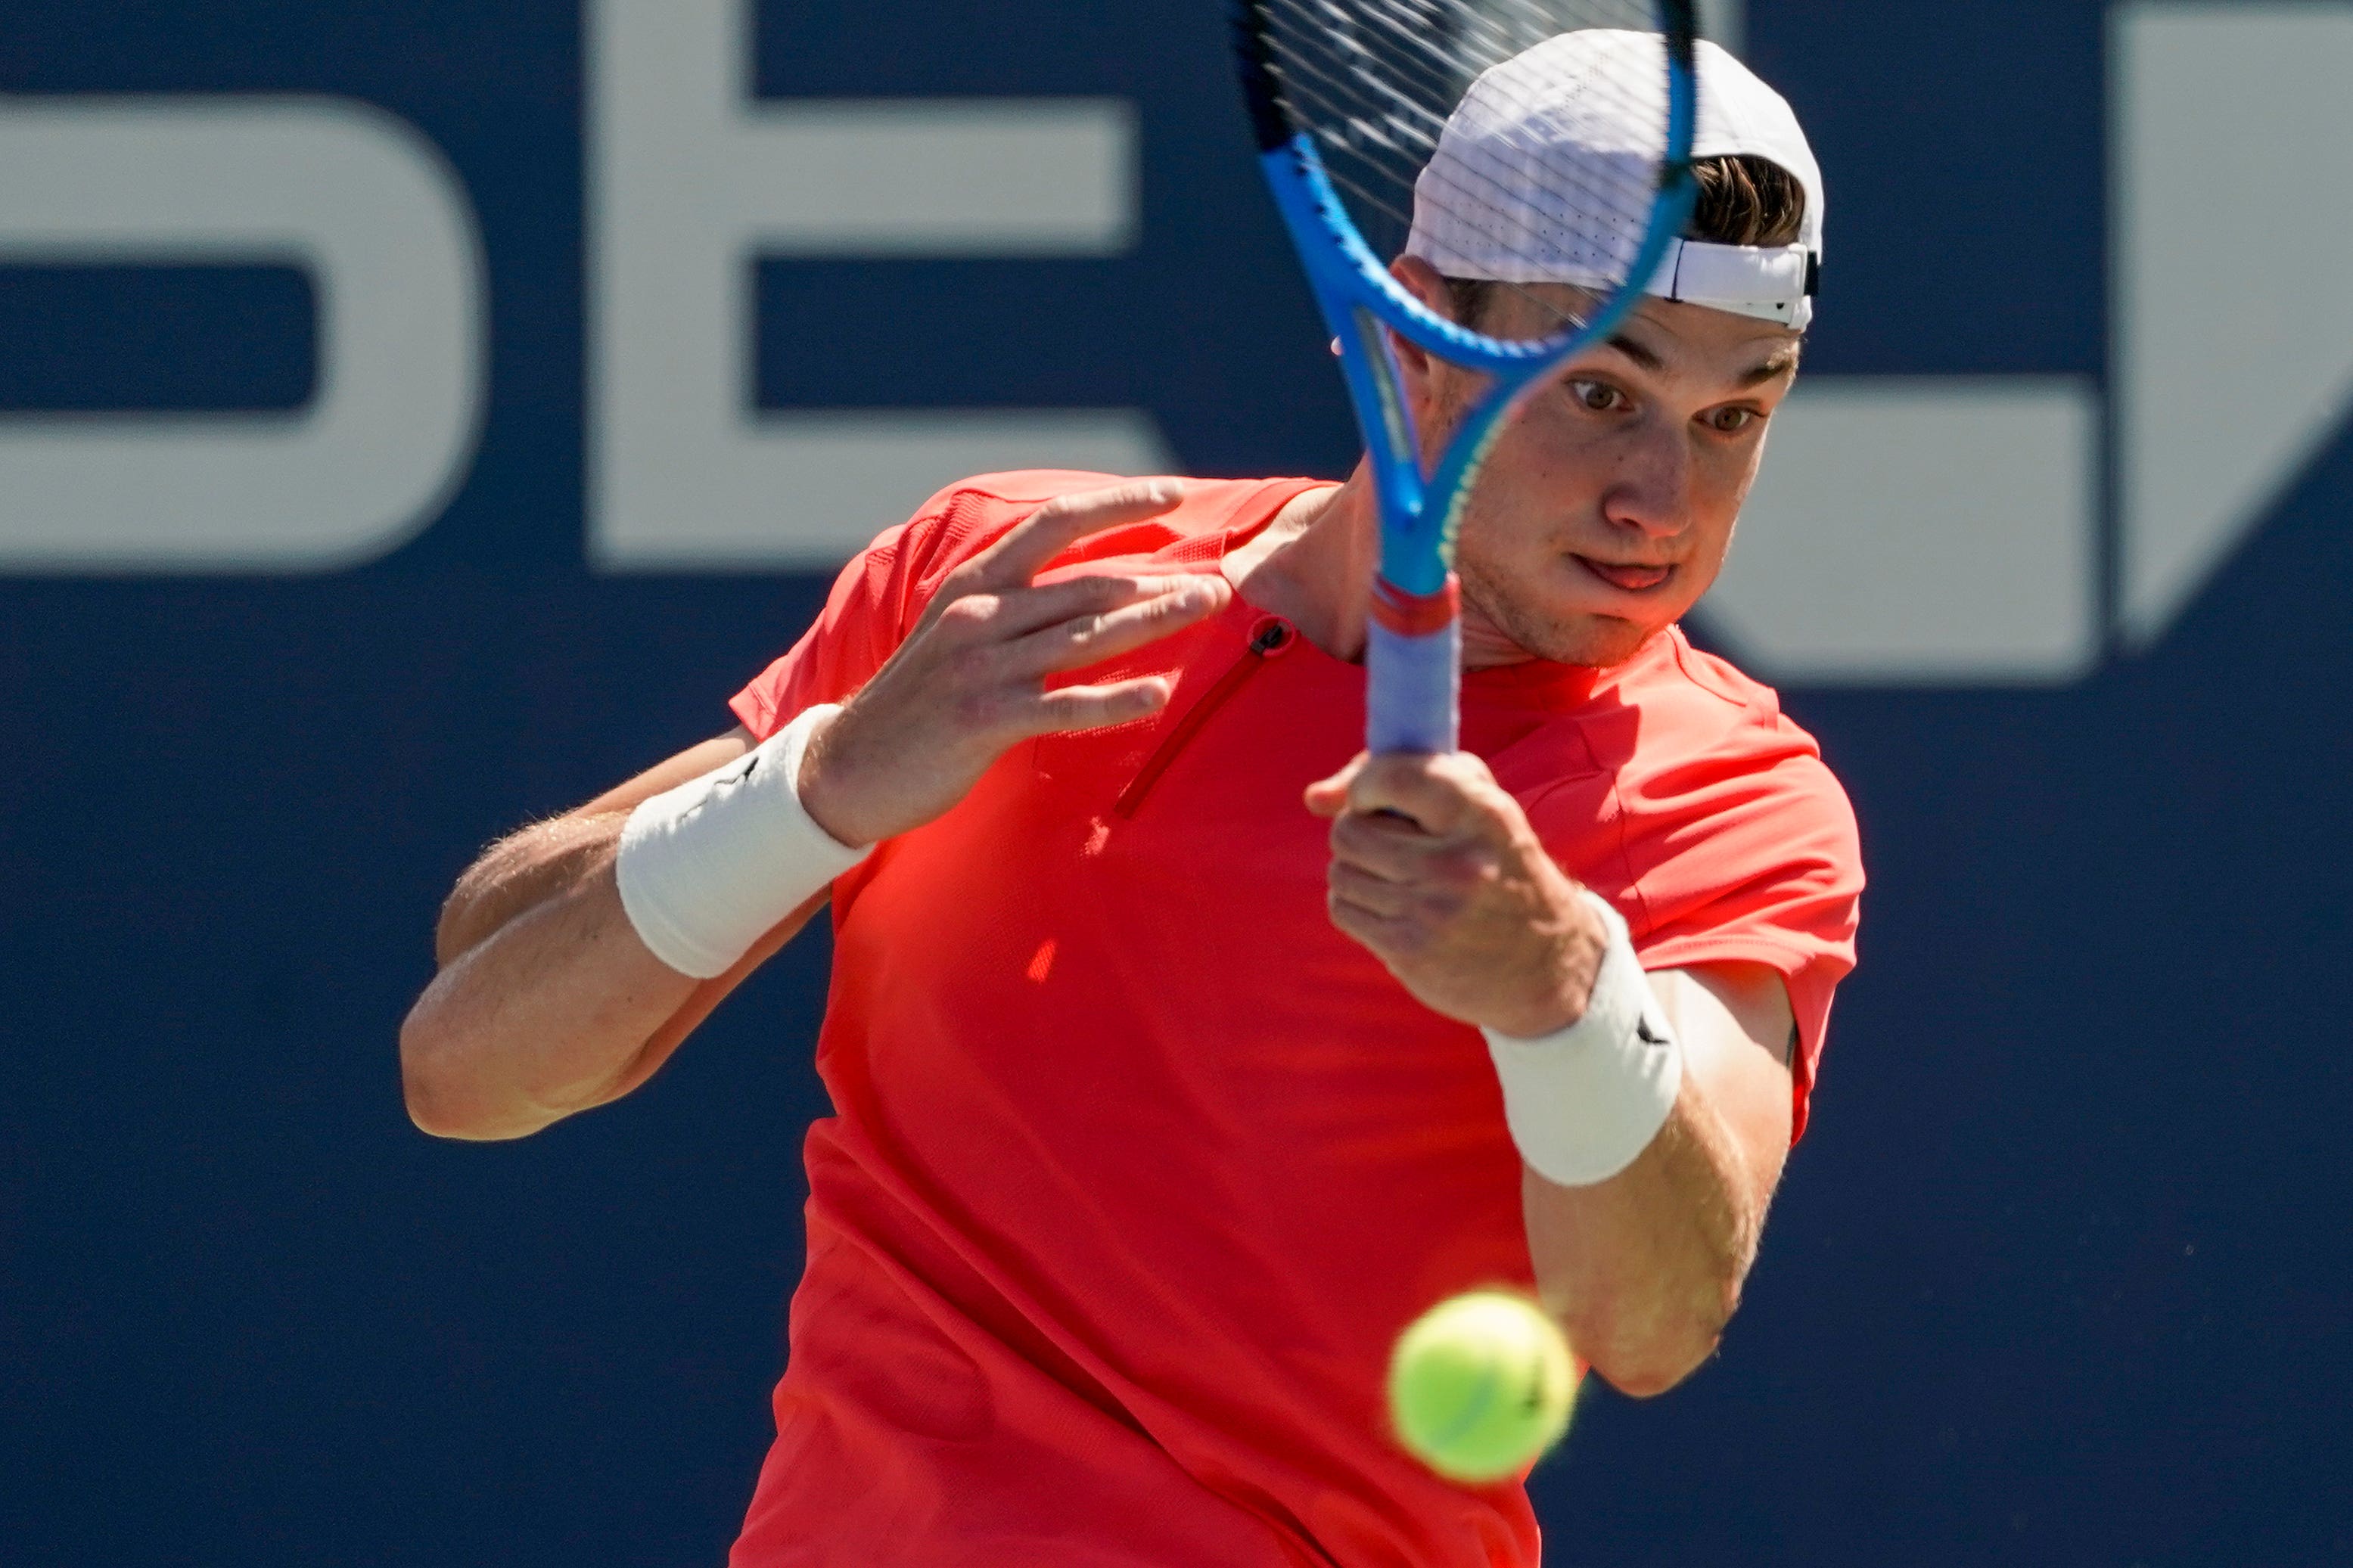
1626	579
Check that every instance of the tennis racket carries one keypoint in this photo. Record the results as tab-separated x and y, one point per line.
1348	98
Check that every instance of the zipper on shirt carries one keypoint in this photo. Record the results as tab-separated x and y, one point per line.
1268	638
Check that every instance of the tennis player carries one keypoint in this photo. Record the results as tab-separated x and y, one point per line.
1180	1055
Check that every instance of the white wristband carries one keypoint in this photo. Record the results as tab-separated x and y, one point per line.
711	867
1582	1103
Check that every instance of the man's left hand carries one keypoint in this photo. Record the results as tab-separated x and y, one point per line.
1436	870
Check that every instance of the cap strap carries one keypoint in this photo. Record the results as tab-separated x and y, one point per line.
1772	283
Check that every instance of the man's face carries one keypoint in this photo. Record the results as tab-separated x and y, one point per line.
1607	506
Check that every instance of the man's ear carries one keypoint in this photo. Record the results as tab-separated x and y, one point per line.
1423	281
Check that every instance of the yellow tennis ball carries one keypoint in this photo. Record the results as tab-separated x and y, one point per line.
1480	1385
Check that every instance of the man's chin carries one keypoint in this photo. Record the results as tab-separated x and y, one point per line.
1565	625
1605	643
1576	638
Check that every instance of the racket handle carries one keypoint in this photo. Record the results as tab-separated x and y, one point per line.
1413	668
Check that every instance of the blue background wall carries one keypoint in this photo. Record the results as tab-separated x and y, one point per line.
2059	1277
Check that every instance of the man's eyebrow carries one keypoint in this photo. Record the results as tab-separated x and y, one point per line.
1782	363
1637	353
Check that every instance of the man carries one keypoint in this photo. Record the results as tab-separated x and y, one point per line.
1155	1039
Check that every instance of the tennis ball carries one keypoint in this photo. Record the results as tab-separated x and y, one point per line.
1480	1385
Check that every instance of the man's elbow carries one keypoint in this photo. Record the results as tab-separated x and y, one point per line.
1651	1369
1645	1359
437	1113
446	1103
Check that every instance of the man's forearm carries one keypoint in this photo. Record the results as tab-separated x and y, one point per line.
520	872
542	1004
542	1016
1645	1270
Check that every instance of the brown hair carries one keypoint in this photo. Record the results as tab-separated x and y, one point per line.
1742	200
1746	200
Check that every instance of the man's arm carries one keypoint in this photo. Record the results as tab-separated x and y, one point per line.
549	1003
1437	871
524	868
1645	1270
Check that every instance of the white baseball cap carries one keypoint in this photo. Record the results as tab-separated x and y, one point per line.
1545	171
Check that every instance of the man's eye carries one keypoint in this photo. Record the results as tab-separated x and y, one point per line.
1732	421
1596	397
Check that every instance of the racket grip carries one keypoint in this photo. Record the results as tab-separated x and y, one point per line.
1413	667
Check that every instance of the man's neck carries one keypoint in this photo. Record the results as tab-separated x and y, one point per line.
1314	567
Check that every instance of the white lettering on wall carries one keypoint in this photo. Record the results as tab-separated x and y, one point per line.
2233	350
347	194
1943	533
691	180
1934	531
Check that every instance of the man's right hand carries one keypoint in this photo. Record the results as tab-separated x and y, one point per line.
970	681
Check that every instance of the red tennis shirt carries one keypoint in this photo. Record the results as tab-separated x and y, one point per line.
1137	1166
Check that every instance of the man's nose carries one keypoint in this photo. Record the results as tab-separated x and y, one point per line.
1651	490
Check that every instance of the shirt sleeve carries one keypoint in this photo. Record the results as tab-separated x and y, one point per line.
875	604
1762	866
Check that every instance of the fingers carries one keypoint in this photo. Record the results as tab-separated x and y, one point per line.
1388	937
1134	614
1072	708
1440	794
1353	888
1019	611
1395	850
1413	838
1045	534
1327	798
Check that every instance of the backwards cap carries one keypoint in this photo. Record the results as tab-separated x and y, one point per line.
1579	123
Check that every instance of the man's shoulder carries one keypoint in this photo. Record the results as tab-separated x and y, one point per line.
1681	731
969	516
1695	702
1675	667
1706	803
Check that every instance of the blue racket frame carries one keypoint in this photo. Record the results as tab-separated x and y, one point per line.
1412	701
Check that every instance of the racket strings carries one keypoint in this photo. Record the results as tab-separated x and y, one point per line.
1374	82
1460	197
1392	197
1351	112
